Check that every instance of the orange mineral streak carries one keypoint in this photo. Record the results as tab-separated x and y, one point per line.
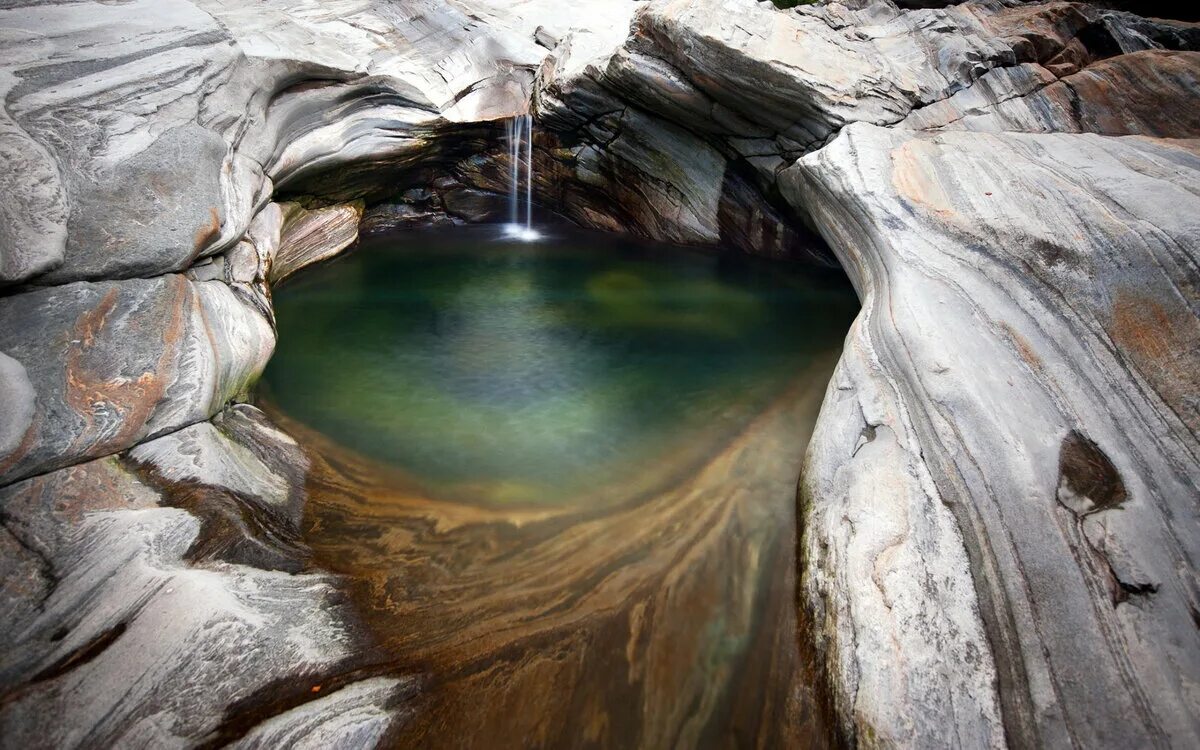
1162	344
1024	348
115	407
209	232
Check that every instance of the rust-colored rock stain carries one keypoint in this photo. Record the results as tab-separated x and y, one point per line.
1161	344
114	404
209	232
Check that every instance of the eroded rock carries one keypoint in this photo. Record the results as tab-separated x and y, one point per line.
1000	515
160	625
115	362
993	270
310	236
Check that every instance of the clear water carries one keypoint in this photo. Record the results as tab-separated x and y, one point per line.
500	371
556	481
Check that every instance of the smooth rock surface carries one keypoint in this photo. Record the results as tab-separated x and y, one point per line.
113	363
679	133
1000	505
1021	383
1030	308
308	237
155	589
148	133
151	614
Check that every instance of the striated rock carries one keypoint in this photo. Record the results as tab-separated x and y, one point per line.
1020	386
161	596
33	221
1028	334
113	363
390	217
1147	92
357	716
135	170
310	236
152	625
712	92
1000	499
611	165
157	129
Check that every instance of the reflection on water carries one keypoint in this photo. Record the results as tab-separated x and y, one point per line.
560	478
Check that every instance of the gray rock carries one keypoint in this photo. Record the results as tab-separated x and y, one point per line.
147	137
139	165
113	363
150	625
17	396
999	500
356	716
1147	92
1009	445
1030	314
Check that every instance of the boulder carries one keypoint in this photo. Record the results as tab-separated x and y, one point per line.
113	363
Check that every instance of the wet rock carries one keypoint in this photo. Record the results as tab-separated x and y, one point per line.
475	206
390	217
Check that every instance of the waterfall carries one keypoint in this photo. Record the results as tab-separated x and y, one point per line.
520	150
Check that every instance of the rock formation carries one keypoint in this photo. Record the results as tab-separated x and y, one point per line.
1000	505
978	561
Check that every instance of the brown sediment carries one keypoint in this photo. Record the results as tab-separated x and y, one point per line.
667	619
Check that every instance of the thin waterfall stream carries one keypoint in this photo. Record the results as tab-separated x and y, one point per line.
520	150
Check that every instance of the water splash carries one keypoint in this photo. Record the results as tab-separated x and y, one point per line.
520	150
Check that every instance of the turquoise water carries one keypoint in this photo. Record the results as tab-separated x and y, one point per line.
506	372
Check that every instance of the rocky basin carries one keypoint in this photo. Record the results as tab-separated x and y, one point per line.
1000	506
